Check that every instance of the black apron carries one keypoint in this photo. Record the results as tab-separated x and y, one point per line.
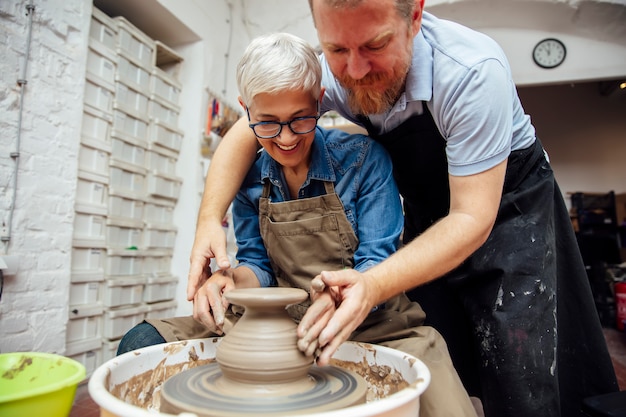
516	345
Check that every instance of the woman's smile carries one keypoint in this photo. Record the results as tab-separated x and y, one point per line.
286	148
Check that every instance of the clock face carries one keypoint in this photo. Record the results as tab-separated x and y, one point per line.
549	53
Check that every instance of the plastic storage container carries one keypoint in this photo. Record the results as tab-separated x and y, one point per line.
165	136
123	291
85	322
164	112
131	101
99	93
158	211
109	349
123	263
96	124
123	234
92	190
86	289
132	74
134	43
132	128
161	310
157	263
128	150
117	322
161	237
164	186
165	87
89	229
101	62
160	288
103	29
161	160
93	156
88	352
127	179
88	263
126	209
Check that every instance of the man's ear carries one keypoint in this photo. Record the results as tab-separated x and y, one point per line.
416	19
322	94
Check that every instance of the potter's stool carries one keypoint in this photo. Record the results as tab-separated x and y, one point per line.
606	405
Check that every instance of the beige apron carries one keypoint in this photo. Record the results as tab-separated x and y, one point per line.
305	236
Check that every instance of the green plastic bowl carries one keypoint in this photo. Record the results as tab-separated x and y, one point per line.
38	384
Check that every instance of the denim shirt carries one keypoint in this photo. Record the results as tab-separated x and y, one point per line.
361	172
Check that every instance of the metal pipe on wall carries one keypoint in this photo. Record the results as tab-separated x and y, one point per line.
15	155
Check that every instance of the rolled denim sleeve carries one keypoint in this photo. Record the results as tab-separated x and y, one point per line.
250	249
379	217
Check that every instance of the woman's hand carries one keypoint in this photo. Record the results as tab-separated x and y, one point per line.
209	303
209	243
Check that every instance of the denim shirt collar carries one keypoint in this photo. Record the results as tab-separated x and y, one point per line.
321	166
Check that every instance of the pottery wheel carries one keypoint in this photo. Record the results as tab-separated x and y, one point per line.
205	391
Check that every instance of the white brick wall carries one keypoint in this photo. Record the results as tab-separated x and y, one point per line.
34	304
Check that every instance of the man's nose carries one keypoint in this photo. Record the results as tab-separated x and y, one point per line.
358	66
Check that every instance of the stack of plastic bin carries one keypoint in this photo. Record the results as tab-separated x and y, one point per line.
124	277
89	251
127	189
163	187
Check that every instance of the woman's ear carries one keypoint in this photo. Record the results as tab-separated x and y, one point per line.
243	105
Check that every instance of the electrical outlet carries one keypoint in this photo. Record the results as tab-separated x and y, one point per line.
8	264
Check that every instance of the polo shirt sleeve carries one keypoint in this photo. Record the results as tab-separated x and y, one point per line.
474	110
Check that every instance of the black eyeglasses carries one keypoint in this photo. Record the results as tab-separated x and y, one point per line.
298	125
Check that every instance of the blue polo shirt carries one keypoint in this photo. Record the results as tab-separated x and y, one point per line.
465	79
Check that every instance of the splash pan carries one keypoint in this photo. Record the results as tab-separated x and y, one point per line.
130	385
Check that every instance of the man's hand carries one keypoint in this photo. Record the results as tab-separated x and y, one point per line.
209	303
337	310
210	243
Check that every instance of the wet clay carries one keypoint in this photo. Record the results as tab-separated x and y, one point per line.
144	390
382	380
261	348
260	370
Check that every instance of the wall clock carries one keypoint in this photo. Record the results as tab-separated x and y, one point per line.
549	53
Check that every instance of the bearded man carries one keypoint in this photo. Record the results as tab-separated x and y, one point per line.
489	251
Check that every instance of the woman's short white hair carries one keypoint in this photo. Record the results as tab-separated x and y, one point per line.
278	62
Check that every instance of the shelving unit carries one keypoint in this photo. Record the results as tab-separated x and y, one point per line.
127	189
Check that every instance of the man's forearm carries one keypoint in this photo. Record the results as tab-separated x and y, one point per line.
230	163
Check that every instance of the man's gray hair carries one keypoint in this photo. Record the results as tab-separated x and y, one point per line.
278	62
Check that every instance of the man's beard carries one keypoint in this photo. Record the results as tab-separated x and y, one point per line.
364	100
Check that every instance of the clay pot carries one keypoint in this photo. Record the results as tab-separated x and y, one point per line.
261	347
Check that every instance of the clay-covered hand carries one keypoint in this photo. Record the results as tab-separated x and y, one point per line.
337	310
209	303
210	242
317	316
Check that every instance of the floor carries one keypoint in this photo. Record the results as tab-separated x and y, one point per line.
84	406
